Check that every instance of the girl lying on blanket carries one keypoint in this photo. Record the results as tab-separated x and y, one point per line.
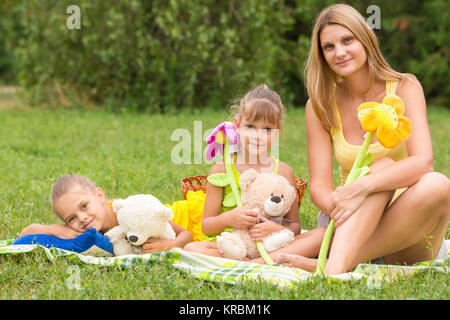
257	123
82	206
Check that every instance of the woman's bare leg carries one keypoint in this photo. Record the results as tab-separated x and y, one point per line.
296	261
351	235
354	232
413	227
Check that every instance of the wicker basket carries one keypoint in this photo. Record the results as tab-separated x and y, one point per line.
198	182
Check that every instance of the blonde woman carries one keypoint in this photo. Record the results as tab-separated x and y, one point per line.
397	214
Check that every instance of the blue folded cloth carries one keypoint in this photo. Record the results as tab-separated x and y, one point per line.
91	243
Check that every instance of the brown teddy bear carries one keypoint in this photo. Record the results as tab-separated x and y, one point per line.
272	196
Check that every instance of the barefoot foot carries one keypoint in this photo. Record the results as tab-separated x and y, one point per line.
296	261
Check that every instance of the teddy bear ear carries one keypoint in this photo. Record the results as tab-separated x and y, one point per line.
117	205
165	212
247	178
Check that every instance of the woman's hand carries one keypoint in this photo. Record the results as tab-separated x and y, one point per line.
157	245
346	200
264	229
242	217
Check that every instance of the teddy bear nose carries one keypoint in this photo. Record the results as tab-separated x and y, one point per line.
133	238
276	199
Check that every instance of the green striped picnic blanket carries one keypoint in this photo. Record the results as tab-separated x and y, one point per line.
230	271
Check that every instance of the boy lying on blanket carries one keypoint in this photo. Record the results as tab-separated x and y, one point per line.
83	207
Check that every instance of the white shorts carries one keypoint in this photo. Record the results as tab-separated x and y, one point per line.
323	220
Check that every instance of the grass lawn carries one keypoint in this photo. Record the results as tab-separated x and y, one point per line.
131	153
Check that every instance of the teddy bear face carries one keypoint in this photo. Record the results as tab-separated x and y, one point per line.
275	205
141	217
272	194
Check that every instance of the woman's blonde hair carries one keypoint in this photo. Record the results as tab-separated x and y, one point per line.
66	183
320	80
260	103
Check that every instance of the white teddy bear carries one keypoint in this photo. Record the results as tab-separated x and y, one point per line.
140	217
272	196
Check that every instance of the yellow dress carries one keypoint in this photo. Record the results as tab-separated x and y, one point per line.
188	213
345	153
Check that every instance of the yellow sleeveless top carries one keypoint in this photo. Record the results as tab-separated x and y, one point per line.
345	153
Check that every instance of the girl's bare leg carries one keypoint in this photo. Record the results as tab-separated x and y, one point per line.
306	245
205	247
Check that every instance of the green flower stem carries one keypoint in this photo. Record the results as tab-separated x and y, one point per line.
263	253
230	176
360	161
234	189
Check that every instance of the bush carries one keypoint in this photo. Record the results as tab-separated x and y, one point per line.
155	56
414	39
163	55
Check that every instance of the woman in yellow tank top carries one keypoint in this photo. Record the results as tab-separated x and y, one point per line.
346	68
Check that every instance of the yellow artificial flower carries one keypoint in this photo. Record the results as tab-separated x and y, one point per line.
386	118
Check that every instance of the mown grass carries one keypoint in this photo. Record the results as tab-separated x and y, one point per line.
131	153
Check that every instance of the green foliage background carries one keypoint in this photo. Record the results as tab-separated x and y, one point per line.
164	55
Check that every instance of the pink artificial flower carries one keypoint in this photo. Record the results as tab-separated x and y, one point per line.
216	140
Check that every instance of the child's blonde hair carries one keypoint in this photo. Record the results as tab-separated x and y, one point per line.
320	80
66	183
260	103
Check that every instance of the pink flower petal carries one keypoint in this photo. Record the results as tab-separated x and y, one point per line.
211	150
230	132
212	137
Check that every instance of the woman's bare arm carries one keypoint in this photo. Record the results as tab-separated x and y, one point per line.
320	160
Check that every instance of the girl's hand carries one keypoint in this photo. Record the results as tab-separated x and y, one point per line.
63	232
57	230
346	200
157	245
242	217
264	229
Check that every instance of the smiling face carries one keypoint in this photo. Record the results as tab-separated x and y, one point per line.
82	209
344	53
256	136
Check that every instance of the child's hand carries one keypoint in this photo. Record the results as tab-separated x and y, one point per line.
157	245
242	217
264	229
57	230
63	232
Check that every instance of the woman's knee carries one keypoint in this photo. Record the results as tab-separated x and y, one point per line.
434	189
435	183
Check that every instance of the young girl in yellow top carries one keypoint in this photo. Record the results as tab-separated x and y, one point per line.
399	212
82	206
257	122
